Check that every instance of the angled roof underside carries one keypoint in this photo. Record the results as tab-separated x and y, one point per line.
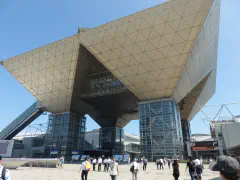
159	52
48	72
148	50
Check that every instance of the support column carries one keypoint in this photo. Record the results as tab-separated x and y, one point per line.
112	139
65	134
186	131
160	129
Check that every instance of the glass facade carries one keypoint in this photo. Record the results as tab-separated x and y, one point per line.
112	139
102	84
160	129
133	148
65	134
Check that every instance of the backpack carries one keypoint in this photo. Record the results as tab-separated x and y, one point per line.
88	166
3	173
132	168
191	165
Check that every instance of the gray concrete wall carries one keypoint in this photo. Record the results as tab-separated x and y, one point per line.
231	134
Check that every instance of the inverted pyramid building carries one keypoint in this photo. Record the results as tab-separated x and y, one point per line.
168	51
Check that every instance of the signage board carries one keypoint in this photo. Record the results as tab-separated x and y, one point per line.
54	152
119	158
204	146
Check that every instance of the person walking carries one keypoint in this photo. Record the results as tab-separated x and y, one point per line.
105	161
228	168
109	161
4	173
86	166
191	167
201	160
198	168
176	172
129	160
157	163
114	170
94	161
161	163
169	163
99	163
134	169
61	162
145	164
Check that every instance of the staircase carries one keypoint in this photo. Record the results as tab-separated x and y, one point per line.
22	121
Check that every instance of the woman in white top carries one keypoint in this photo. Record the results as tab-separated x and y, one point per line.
94	163
99	163
114	171
135	169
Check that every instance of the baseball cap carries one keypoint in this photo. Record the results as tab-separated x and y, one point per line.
226	164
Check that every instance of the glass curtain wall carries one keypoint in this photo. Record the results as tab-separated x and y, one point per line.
65	134
160	129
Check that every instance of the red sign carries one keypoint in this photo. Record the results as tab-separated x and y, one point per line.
202	148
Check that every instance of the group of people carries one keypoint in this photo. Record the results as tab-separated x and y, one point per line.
106	162
110	165
228	167
162	162
195	168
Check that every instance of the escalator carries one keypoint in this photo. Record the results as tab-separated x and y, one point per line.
22	121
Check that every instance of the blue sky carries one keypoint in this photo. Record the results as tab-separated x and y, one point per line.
29	24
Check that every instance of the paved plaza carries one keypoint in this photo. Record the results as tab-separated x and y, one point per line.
72	172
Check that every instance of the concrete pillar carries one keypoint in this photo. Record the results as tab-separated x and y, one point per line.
111	139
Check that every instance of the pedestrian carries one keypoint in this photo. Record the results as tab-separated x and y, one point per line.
99	163
161	163
164	161
129	160
61	162
169	163
158	163
134	169
4	173
191	167
201	161
228	167
198	167
85	168
94	163
105	164
210	160
176	172
144	164
108	163
114	170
